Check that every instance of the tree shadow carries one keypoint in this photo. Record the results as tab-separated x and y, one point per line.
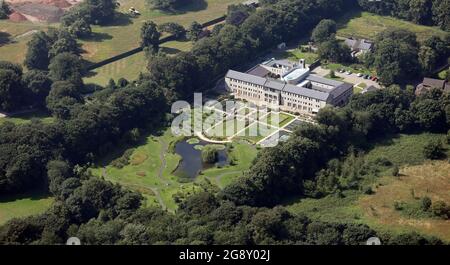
194	6
37	193
98	37
120	19
5	38
345	18
169	51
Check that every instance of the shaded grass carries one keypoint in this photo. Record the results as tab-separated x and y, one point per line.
42	116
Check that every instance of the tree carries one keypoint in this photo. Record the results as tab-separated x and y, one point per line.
150	36
66	67
440	209
4	10
425	203
335	51
62	97
324	31
441	13
433	150
38	83
80	28
168	5
37	53
11	90
209	154
194	31
64	42
395	57
100	11
173	28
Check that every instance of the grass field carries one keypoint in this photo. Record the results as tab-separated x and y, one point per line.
405	149
124	35
152	165
430	179
28	117
24	205
14	50
367	25
425	177
130	67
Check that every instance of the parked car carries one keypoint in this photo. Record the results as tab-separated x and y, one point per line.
341	71
349	73
366	76
359	75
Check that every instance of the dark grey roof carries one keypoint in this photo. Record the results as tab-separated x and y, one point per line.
338	91
306	92
258	71
275	85
246	77
326	81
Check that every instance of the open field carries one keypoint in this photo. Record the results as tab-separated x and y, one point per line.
130	67
24	205
426	178
405	149
367	25
124	35
430	179
152	166
13	48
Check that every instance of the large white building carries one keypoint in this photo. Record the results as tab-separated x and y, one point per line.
289	86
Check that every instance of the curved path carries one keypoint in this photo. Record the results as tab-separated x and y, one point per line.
162	158
204	138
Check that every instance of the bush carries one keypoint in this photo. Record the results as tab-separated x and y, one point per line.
425	203
209	154
441	209
433	150
124	160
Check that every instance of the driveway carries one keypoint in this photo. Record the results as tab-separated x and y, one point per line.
353	78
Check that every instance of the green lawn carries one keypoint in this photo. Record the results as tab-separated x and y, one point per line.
28	117
368	25
297	54
14	51
124	35
24	205
143	173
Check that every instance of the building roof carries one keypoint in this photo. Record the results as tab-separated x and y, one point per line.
369	89
278	63
258	71
298	90
322	80
356	44
275	85
341	89
434	83
246	77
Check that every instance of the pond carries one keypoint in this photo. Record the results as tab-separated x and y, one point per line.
191	159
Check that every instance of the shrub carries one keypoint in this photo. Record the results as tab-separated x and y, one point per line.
425	203
433	150
440	209
209	154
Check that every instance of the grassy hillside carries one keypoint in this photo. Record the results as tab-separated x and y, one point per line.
418	175
367	25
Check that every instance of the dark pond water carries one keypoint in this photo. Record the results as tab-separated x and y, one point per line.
191	163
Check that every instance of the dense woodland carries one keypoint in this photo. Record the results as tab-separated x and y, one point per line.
58	154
